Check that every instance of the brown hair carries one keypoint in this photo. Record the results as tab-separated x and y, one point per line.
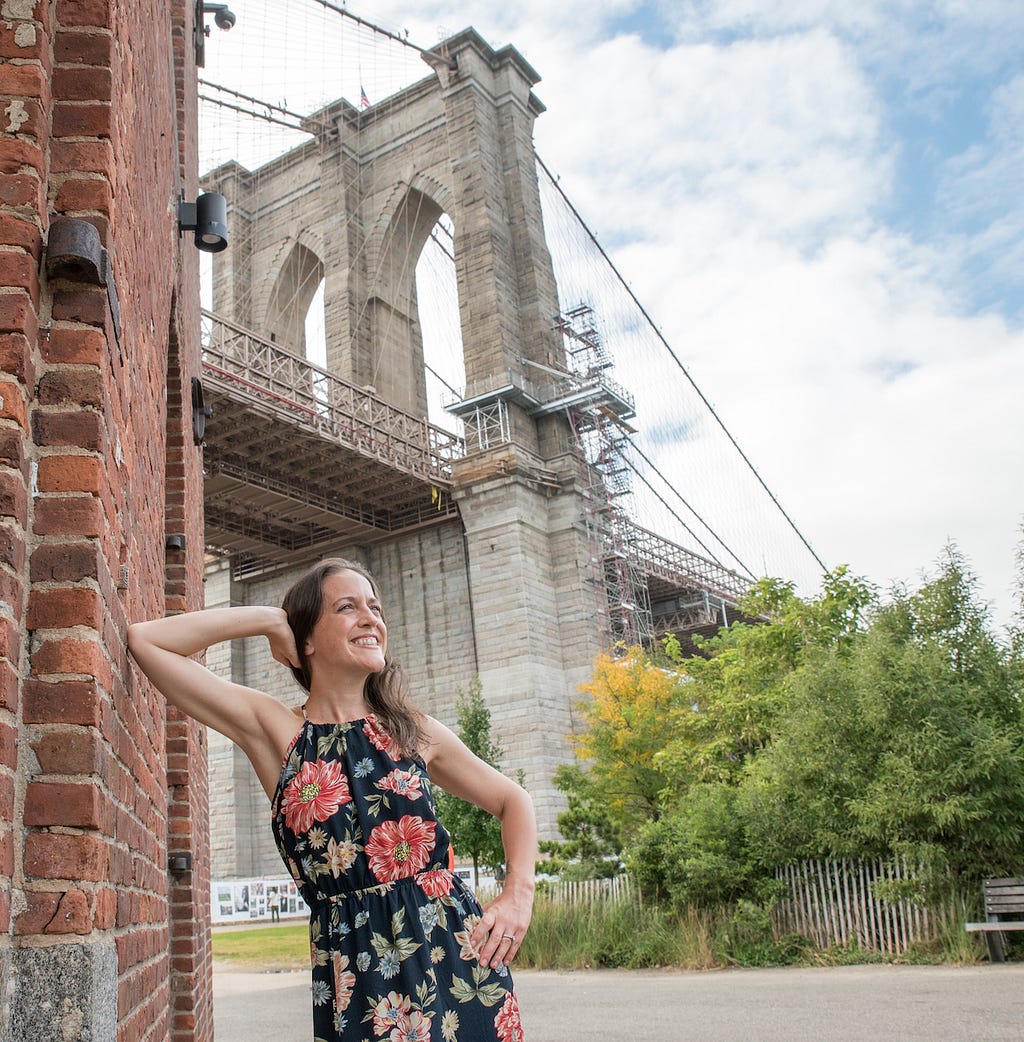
386	692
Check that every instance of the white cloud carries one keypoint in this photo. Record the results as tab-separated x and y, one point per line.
740	171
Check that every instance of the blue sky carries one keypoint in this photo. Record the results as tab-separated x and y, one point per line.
820	204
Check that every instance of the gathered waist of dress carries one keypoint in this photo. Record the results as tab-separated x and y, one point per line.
434	882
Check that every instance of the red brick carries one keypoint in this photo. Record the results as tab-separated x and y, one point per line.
19	270
5	910
23	81
16	152
12	403
81	428
35	118
12	546
12	447
81	83
50	855
68	515
105	910
11	592
77	386
17	315
77	194
76	346
10	641
72	916
70	474
64	607
21	190
65	803
16	358
10	688
13	496
39	911
12	46
6	796
64	562
66	702
94	156
6	855
69	655
81	120
81	304
96	13
16	231
70	752
74	48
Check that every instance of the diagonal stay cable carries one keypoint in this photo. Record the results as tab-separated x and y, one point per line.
675	358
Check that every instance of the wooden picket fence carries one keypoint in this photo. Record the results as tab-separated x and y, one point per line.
835	903
591	891
581	891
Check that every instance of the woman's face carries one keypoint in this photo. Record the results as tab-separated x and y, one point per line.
350	636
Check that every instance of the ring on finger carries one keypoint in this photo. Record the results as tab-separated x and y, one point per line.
510	936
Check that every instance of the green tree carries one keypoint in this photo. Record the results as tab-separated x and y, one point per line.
591	846
911	744
738	683
475	833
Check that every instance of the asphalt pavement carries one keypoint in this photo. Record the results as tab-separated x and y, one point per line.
835	1004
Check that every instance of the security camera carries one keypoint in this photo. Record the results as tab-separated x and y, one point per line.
224	18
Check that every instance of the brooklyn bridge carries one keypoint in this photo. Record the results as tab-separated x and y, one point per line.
416	355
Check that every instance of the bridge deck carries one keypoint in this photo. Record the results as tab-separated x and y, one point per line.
298	460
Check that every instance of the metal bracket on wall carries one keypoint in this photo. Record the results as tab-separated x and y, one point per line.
74	252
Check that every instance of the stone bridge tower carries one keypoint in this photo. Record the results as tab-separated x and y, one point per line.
494	581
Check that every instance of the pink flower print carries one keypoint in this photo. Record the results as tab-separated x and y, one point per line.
314	794
399	849
389	1011
436	883
379	737
402	783
344	982
507	1022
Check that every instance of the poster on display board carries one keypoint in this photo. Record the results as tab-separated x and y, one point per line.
248	900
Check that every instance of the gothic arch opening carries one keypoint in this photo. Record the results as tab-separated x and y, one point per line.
297	282
437	292
392	320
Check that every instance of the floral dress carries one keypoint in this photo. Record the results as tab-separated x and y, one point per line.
389	924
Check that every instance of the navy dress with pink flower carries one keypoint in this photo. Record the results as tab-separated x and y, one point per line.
389	924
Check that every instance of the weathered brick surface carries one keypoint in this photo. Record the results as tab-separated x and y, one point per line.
90	88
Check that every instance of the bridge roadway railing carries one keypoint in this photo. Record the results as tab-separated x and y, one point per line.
242	363
681	567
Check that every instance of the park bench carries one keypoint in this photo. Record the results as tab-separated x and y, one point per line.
1004	910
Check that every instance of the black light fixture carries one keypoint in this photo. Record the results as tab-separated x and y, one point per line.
208	218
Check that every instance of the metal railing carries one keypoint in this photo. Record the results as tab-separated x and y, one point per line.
242	362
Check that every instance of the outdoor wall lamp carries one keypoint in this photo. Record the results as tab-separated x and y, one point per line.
208	218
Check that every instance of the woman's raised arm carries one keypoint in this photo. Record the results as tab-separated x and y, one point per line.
258	723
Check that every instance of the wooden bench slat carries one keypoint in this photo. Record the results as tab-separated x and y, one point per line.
987	927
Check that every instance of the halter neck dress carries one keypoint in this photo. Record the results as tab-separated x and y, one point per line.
389	924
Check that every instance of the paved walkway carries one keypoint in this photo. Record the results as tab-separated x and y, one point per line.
847	1004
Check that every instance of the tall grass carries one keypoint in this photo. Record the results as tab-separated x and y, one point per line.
617	934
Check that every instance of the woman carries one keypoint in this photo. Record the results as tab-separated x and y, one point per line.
400	948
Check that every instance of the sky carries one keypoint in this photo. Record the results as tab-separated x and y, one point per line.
819	203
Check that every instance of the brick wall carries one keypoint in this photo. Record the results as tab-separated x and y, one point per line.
97	783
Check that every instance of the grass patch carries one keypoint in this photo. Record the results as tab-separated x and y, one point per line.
616	934
266	949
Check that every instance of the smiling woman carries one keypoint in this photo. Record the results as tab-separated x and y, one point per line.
395	937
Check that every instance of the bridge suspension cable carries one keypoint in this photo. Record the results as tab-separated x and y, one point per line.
675	358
